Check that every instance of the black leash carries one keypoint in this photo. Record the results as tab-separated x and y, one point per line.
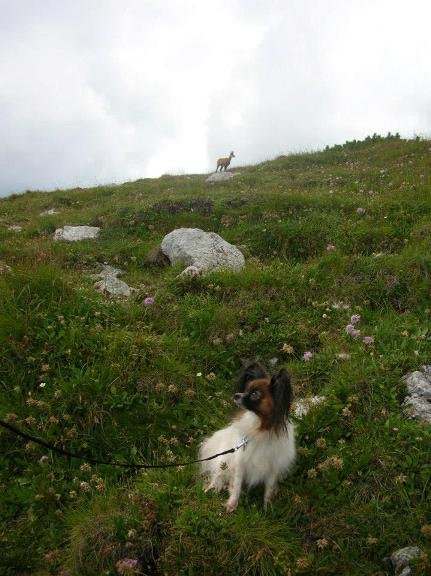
108	463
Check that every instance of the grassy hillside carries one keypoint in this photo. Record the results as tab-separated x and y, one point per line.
122	380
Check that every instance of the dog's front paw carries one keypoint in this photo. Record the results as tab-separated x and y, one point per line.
231	505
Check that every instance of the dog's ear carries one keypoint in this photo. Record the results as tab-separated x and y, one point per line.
253	371
282	394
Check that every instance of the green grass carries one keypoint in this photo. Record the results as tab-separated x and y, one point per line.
121	379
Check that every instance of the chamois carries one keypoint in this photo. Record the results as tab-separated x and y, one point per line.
224	162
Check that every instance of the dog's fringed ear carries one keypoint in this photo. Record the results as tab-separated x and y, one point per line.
251	372
282	394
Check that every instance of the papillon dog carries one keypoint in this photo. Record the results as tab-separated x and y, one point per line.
263	430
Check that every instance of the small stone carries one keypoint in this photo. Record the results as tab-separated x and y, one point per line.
110	284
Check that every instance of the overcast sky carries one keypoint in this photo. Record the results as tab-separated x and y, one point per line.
102	91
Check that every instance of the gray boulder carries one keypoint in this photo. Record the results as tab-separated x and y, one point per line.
201	251
417	403
74	233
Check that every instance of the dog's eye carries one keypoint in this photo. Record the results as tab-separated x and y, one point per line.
255	395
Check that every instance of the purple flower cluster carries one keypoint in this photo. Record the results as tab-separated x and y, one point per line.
149	301
355	332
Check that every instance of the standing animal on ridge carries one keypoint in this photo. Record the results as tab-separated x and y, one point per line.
261	433
224	162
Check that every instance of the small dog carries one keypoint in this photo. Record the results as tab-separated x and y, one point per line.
262	425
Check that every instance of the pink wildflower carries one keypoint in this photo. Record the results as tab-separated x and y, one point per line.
355	319
307	356
149	301
349	328
360	211
368	340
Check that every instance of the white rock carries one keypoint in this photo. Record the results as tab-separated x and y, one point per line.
417	403
14	228
221	176
201	251
73	233
302	406
110	284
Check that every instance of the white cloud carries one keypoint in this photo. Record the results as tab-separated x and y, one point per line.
109	91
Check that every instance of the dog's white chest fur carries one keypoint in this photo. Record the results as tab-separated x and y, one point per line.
266	459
